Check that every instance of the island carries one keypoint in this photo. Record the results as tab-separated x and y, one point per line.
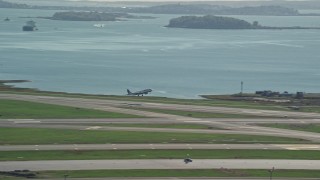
219	22
93	16
218	10
5	4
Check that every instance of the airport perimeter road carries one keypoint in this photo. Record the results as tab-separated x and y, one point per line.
118	106
158	146
159	164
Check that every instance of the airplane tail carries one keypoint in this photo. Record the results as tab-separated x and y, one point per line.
129	92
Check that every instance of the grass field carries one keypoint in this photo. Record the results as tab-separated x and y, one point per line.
315	109
63	136
299	127
179	173
157	154
199	114
12	109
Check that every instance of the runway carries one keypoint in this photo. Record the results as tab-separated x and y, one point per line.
159	164
226	127
209	121
119	106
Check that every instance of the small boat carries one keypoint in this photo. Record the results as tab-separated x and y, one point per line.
99	25
6	19
30	26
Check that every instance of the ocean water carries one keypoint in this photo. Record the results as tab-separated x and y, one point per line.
137	54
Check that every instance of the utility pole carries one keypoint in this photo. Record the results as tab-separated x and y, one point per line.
241	88
271	172
65	176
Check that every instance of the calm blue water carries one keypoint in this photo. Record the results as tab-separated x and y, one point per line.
137	54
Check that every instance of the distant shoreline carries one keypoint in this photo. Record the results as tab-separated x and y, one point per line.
13	81
291	102
175	7
5	87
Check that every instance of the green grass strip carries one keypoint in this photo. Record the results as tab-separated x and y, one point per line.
12	109
181	173
199	114
63	136
156	154
314	109
299	127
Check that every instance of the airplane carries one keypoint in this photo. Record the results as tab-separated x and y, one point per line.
138	93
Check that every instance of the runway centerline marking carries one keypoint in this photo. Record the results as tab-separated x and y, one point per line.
197	121
93	128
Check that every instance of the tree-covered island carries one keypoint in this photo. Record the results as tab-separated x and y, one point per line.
93	16
219	22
